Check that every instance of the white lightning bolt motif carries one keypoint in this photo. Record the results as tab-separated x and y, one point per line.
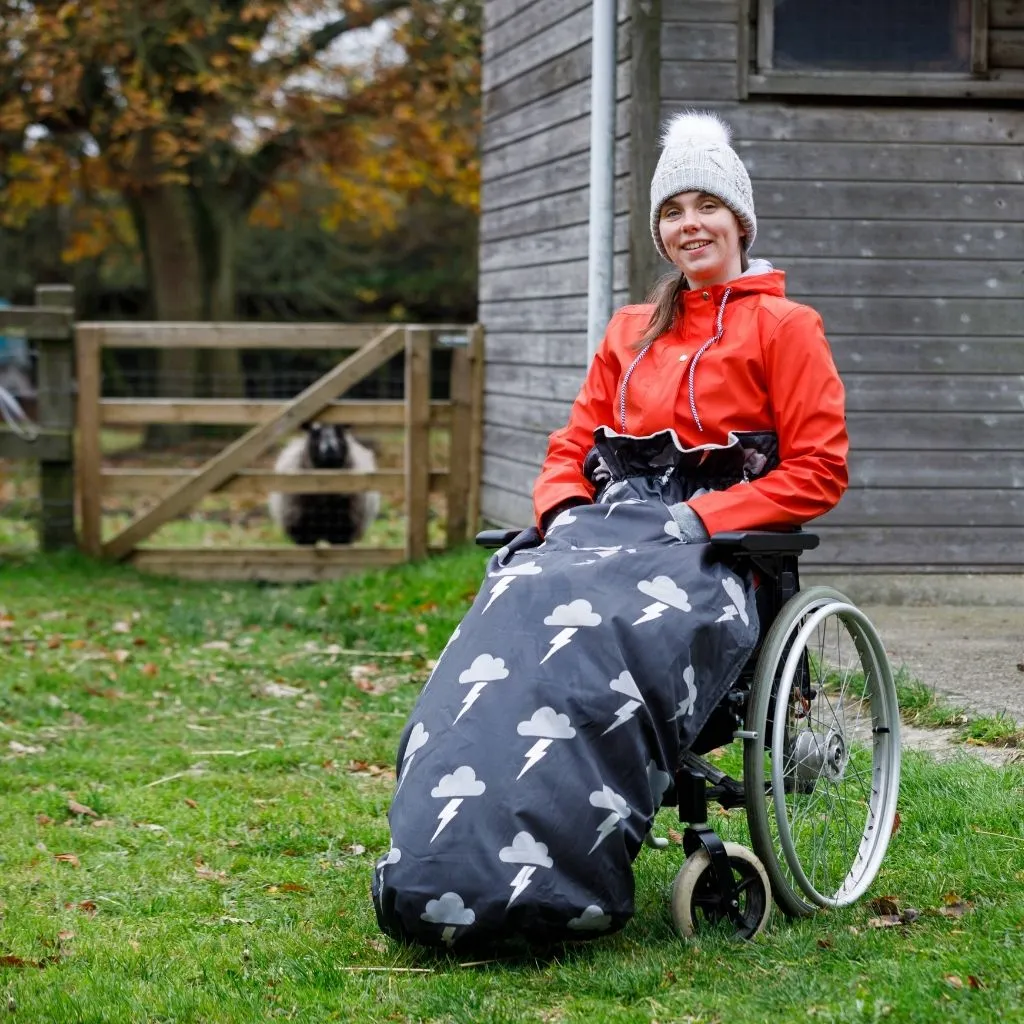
652	611
728	614
405	770
604	830
686	706
520	882
470	699
559	641
499	588
623	715
448	812
448	935
533	755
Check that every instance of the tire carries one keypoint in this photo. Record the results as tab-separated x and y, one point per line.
821	814
693	892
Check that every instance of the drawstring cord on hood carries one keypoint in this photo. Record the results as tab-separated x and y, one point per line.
719	331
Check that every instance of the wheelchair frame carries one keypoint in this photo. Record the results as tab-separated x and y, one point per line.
774	556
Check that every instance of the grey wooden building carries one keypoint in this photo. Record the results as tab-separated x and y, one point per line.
888	175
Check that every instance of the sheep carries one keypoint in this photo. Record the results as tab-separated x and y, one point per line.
334	518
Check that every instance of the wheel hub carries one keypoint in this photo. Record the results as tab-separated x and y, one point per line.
817	755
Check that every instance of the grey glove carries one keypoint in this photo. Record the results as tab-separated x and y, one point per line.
691	527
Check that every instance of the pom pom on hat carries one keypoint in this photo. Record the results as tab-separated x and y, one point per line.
697	157
696	129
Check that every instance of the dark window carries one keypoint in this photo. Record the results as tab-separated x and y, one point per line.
872	35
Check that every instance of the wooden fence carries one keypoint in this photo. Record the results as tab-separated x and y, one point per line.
49	328
270	422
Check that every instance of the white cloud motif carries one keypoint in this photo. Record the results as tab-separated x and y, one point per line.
625	684
576	613
548	724
562	519
739	602
593	919
665	590
417	739
659	782
449	909
485	669
519	569
526	850
460	783
609	800
393	856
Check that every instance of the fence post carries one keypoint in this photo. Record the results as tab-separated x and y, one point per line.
475	353
417	440
56	413
88	346
459	441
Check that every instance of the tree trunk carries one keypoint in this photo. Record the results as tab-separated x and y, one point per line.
175	273
220	369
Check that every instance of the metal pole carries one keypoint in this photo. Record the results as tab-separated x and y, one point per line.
602	173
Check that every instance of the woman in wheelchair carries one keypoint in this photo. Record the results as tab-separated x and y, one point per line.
623	635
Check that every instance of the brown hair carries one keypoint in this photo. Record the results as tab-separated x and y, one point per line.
665	296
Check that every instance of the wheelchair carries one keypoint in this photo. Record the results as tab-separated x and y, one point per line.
816	710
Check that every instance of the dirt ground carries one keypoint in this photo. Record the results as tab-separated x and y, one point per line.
962	636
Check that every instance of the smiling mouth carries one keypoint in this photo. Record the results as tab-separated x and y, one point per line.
695	246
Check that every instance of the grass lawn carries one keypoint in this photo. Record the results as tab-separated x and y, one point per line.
193	788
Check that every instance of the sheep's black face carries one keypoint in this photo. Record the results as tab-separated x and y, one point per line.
327	446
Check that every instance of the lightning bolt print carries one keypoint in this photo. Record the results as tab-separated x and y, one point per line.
652	611
405	770
533	755
499	588
448	812
559	641
728	614
520	882
470	699
604	830
448	935
623	715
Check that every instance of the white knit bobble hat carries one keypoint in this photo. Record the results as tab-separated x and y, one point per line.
697	157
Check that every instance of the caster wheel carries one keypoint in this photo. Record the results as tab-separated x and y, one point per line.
695	902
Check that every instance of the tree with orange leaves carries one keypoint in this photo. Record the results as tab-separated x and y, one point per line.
200	114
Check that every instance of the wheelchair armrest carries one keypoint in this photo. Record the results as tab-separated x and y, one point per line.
496	538
765	542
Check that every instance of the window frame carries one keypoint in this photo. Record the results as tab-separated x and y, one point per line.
761	78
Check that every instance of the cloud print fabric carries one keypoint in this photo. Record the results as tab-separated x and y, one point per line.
545	740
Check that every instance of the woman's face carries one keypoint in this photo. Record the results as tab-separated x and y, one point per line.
702	237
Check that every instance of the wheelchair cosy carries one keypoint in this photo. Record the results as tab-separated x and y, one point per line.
816	710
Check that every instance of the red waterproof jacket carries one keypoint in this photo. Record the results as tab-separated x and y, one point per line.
771	369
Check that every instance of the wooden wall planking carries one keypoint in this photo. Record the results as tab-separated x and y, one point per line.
900	224
535	203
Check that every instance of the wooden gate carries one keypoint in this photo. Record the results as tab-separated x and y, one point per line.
271	422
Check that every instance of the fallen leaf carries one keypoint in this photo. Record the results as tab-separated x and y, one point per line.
87	907
293	887
65	936
209	875
279	690
421	628
44	819
356	849
974	982
120	655
675	837
67	858
101	823
77	644
954	981
885	921
896	822
217	645
53	642
20	748
189	802
884	905
17	961
76	808
149	669
120	627
957	909
824	943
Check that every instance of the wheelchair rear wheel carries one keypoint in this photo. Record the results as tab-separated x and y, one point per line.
821	759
